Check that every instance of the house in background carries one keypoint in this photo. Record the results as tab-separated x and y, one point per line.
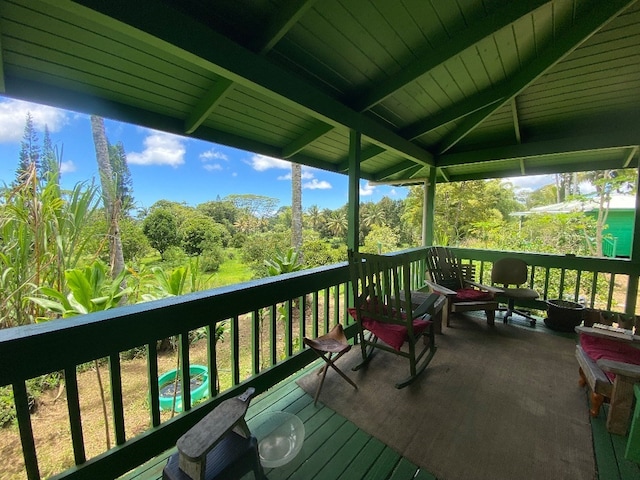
618	231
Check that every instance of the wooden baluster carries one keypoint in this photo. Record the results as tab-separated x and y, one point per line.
273	332
212	359
256	341
21	401
154	388
185	375
73	407
235	351
117	403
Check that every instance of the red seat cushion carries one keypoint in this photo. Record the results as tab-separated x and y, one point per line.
472	295
392	334
605	348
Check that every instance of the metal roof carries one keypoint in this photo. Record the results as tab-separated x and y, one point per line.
474	88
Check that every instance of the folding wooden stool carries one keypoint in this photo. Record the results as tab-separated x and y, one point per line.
330	347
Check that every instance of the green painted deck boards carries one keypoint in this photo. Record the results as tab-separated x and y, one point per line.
335	448
609	451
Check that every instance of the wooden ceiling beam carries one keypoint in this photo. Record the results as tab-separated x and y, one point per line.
287	15
366	153
600	13
391	171
585	166
169	29
632	153
47	94
516	120
285	18
313	134
485	27
207	104
408	174
586	143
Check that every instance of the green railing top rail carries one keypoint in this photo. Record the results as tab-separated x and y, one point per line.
569	262
81	339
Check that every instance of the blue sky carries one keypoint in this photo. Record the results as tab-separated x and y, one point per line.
165	166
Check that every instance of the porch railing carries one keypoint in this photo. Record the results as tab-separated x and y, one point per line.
603	283
265	322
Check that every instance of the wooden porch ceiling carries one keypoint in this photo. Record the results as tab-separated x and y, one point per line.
473	88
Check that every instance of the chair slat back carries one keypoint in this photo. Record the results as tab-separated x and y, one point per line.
381	287
445	269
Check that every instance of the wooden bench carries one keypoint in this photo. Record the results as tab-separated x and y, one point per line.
220	443
619	392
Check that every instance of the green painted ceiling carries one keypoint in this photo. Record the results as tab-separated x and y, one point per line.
474	88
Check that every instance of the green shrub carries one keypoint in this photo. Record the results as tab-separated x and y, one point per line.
211	259
7	409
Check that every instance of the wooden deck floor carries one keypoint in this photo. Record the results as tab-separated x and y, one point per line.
356	455
334	448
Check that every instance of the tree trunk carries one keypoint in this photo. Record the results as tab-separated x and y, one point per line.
296	208
109	196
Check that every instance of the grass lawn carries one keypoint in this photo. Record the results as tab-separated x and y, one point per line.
233	270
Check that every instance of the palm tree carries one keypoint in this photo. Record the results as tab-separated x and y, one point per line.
296	207
314	215
337	223
112	205
372	214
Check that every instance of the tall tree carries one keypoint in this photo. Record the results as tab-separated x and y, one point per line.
296	208
606	183
161	228
314	215
121	176
29	152
110	199
49	162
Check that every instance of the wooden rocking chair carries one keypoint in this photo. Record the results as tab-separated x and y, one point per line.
383	311
455	281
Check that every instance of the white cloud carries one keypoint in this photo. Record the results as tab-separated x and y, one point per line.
316	184
261	163
366	189
530	183
212	167
13	115
67	167
306	175
213	154
160	149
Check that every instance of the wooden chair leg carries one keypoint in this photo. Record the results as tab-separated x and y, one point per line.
330	359
583	379
596	402
491	317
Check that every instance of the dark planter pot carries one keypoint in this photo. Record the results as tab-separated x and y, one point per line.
563	316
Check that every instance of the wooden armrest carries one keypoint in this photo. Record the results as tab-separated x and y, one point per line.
426	306
620	368
634	340
440	289
486	288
